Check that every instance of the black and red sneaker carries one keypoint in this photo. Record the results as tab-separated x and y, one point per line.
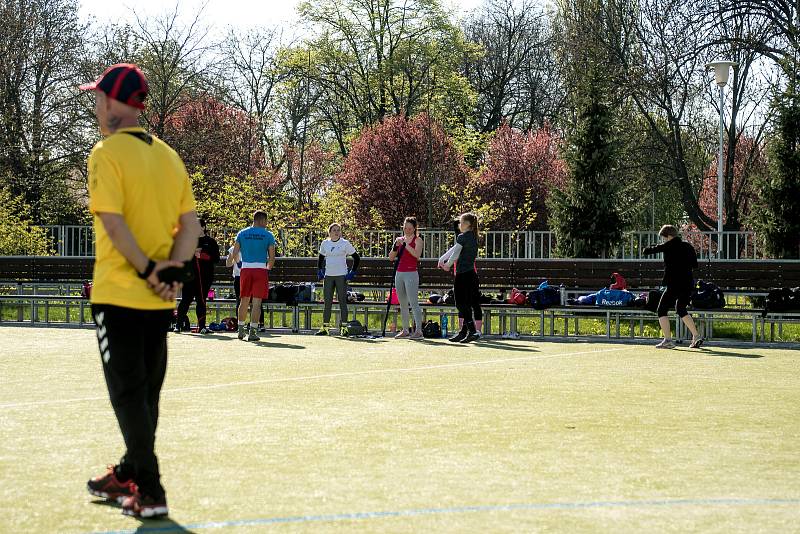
108	486
144	506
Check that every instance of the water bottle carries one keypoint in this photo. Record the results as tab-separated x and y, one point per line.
563	293
444	325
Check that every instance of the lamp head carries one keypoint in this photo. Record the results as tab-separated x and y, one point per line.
721	70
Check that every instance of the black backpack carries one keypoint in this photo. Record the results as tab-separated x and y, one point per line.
782	299
304	293
431	329
707	296
354	328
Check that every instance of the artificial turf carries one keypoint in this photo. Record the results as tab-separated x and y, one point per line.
309	434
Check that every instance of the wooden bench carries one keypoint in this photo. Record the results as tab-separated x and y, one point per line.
495	274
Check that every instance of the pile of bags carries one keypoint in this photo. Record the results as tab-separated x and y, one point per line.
616	295
544	296
291	294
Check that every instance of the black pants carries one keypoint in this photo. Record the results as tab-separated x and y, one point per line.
196	290
237	288
678	297
466	293
133	349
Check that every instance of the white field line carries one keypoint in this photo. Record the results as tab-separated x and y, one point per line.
320	377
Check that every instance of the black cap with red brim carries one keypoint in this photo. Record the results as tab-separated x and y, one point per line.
123	82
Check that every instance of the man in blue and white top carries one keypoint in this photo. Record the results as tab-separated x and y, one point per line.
257	248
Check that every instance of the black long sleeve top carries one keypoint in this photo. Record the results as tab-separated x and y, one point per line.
679	260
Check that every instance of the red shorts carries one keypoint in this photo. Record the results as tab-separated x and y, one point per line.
254	283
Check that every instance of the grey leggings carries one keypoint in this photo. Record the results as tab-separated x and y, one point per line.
328	285
407	285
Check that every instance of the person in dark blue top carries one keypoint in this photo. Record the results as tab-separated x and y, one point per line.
465	287
679	260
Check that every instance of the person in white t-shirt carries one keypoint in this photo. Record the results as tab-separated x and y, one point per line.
332	268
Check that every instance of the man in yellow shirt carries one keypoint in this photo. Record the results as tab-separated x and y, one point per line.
146	229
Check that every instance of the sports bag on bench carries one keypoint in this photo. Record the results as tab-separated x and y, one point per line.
782	299
614	298
707	296
543	298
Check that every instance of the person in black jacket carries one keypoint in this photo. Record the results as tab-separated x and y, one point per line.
679	260
206	256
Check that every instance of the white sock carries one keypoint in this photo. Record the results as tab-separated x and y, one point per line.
253	325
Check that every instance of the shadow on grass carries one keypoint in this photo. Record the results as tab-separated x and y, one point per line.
502	345
263	342
274	345
711	352
163	524
355	339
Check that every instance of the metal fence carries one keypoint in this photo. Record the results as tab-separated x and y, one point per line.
304	242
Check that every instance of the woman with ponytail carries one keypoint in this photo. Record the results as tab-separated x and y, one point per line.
465	287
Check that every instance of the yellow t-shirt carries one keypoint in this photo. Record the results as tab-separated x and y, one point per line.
148	185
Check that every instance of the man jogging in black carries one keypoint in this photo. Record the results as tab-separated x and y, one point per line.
206	256
145	222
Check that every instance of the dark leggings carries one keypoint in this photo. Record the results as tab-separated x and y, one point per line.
467	293
674	297
196	290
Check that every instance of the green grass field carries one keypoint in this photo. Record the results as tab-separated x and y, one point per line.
308	434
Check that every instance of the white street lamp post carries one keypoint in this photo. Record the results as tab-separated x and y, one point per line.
721	73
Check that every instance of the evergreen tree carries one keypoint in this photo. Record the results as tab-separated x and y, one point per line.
777	216
588	214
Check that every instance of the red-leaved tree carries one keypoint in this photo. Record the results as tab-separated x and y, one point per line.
748	161
521	170
215	139
404	166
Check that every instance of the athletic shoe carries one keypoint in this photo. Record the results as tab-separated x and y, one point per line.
204	330
176	330
416	335
108	486
666	344
458	337
261	329
144	506
697	343
402	334
322	332
253	335
242	331
474	336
